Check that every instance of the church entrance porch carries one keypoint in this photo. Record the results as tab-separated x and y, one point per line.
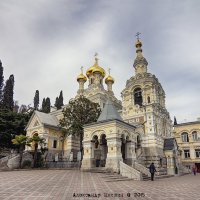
100	149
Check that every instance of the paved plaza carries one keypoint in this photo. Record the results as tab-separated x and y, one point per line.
77	185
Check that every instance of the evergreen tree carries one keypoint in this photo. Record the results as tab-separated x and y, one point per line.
11	124
8	91
46	105
43	105
59	101
1	80
175	121
36	100
79	112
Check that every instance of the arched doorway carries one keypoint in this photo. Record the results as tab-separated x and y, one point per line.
104	149
123	147
100	150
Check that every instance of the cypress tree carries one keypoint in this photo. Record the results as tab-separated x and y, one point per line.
8	91
57	103
1	80
48	105
36	100
43	105
61	99
175	121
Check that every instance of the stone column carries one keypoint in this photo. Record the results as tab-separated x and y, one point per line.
87	162
130	152
170	165
81	87
114	155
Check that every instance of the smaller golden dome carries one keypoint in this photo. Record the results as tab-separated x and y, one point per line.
138	44
109	79
81	77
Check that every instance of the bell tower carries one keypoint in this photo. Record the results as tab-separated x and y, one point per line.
143	103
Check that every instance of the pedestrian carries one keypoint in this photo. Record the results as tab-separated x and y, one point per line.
152	170
194	169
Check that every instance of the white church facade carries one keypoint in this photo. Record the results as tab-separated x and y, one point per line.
129	134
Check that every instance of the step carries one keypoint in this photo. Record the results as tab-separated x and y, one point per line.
122	177
116	180
163	176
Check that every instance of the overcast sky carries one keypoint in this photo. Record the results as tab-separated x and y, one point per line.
45	42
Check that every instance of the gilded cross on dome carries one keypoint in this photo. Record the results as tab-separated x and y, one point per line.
95	56
137	35
81	69
109	70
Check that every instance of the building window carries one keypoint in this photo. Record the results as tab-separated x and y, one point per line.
91	81
55	144
138	96
195	136
185	137
187	153
197	152
148	99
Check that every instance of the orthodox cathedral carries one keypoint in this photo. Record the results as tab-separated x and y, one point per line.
128	136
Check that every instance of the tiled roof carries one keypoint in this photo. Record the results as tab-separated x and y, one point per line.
109	112
47	119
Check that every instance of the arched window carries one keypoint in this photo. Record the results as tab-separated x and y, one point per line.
138	141
195	136
185	137
148	99
91	81
138	96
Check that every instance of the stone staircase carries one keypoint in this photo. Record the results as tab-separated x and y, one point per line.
108	175
145	177
127	173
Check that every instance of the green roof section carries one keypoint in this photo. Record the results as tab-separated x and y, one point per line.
109	112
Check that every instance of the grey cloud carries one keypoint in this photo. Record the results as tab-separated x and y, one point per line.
44	44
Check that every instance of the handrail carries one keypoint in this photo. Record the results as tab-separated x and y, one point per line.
129	172
142	169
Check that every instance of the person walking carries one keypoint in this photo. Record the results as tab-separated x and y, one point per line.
194	169
152	170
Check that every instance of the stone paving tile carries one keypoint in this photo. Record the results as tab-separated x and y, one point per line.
70	184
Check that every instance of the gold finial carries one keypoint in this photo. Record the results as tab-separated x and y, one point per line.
82	69
138	43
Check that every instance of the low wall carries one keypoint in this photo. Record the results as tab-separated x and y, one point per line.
129	172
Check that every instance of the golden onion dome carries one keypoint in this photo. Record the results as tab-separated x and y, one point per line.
81	77
100	70
89	71
109	79
95	69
